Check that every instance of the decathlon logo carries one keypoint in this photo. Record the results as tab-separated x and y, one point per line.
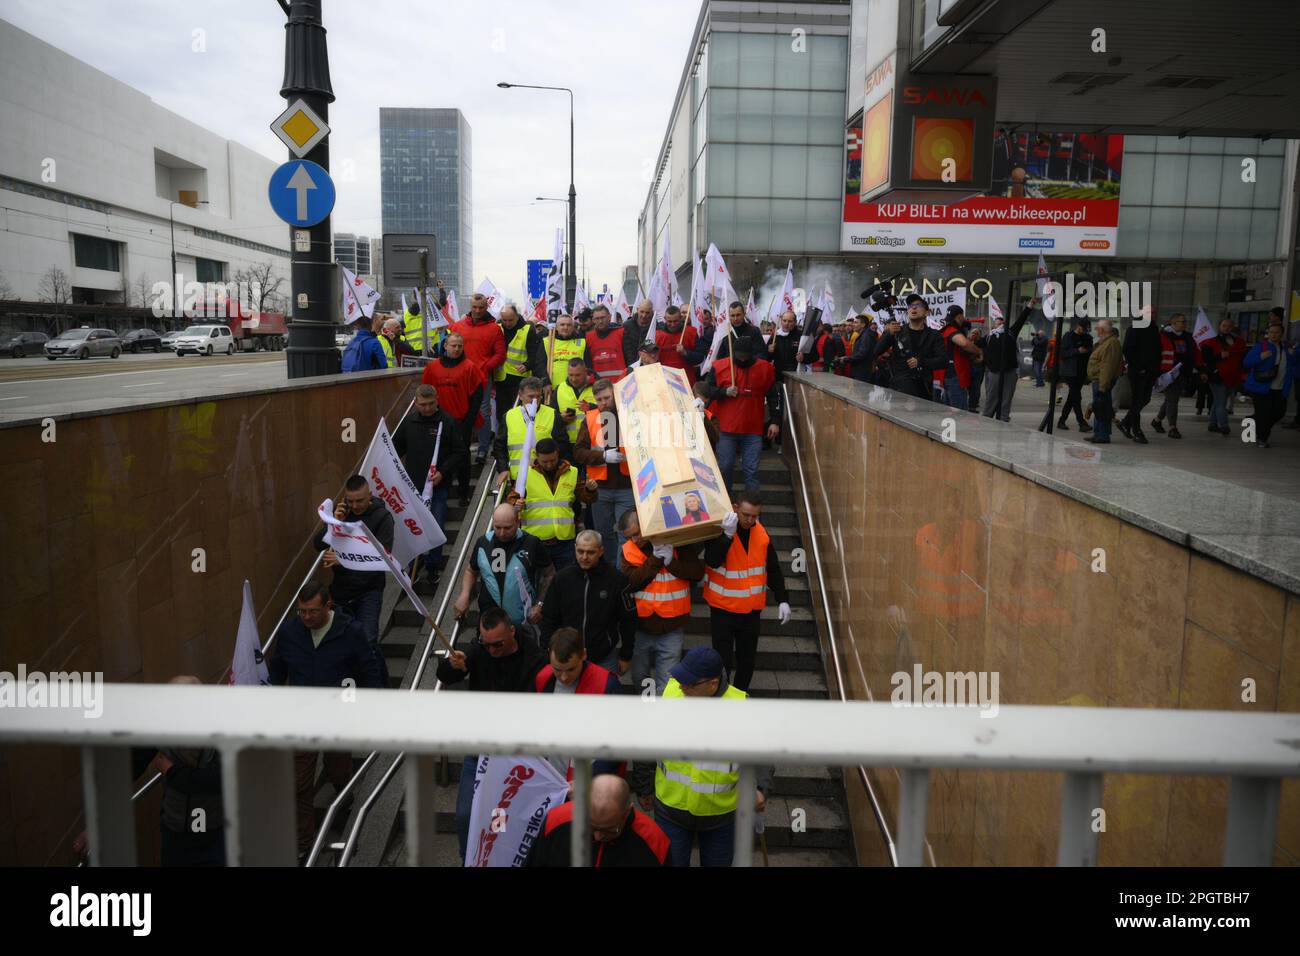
73	909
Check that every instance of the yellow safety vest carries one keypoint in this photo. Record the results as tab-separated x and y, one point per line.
516	353
388	350
549	514
702	789
574	348
517	431
413	331
566	399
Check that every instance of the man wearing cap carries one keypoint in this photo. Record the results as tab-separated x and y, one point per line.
697	800
917	352
647	353
961	352
741	387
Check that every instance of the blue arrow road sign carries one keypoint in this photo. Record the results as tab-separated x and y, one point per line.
301	192
538	269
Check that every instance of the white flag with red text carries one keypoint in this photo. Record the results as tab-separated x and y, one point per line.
415	530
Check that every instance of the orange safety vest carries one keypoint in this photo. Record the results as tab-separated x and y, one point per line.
601	472
667	595
741	585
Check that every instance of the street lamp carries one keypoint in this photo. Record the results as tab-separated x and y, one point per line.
171	218
573	193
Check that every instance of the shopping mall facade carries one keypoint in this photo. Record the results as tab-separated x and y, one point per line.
1154	171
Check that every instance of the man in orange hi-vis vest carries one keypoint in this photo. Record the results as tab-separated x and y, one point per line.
740	567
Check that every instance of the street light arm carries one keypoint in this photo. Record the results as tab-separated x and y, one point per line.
284	5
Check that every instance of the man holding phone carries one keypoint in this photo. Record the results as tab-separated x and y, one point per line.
573	398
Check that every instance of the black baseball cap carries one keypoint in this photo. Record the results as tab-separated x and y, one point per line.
954	310
649	347
914	298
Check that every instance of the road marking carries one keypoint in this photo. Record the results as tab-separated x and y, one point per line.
143	384
12	399
232	374
90	375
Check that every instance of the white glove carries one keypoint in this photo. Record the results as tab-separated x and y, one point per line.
699	403
664	552
729	524
614	457
783	612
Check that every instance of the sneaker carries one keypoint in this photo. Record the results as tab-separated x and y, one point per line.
1175	433
1155	423
1140	438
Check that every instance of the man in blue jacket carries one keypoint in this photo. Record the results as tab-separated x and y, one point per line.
320	647
1270	369
364	353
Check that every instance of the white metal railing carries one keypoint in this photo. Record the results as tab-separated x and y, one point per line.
257	729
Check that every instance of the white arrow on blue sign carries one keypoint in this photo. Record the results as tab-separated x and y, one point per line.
301	192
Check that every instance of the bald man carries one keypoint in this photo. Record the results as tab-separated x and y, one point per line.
635	332
514	568
621	835
590	597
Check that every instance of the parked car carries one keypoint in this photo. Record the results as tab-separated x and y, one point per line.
22	344
169	340
83	343
341	339
142	340
205	340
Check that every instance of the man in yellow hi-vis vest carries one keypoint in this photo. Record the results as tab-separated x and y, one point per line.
573	398
696	800
553	499
509	447
568	345
525	357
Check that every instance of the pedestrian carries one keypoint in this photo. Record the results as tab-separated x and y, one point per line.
1002	362
1076	345
635	332
364	353
605	346
1221	359
552	502
702	391
320	646
525	359
621	835
862	360
565	347
1038	354
394	342
659	577
571	670
360	593
1177	351
413	323
1103	371
485	346
826	348
1142	358
1270	369
783	347
976	336
544	421
741	566
916	352
573	398
961	354
676	340
426	429
647	354
597	450
460	384
742	387
591	596
741	329
513	567
696	802
500	660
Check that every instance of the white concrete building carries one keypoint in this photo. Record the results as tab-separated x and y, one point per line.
92	173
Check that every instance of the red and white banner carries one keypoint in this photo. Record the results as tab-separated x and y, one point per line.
356	547
248	666
512	796
415	530
496	300
1204	330
358	298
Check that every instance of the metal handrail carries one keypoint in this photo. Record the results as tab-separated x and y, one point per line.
363	810
830	626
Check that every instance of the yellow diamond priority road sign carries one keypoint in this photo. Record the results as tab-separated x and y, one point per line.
300	128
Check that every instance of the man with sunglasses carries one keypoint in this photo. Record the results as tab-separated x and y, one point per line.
621	835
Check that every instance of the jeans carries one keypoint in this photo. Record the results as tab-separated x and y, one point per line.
735	638
1102	413
717	846
954	396
1219	405
999	390
610	663
609	506
656	654
438	505
465	802
1038	374
749	447
366	610
561	553
1074	401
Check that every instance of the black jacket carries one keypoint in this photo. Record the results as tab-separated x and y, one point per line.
639	843
863	359
633	335
515	674
414	441
535	347
755	337
344	653
925	345
1074	363
1038	350
1142	350
1002	351
785	355
347	583
595	602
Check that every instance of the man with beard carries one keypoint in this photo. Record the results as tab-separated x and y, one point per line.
525	357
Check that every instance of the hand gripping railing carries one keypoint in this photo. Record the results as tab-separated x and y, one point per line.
363	811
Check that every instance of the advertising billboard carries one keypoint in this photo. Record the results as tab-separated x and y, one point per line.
1056	193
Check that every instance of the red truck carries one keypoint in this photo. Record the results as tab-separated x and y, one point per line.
252	331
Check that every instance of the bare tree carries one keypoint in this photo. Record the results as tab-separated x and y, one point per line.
263	284
55	287
6	290
142	291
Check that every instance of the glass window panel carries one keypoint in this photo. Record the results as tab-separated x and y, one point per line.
724	59
792	68
1206	144
1263	234
829	62
1135	185
826	119
701	182
1240	146
1204	174
757	59
1271	147
1268	182
1138	144
1165	235
788	223
754	116
722	115
1170	185
1232	191
701	131
825	172
721	224
754	170
702	74
824	229
1172	144
752	224
1199	233
790	171
790	116
1233	239
722	170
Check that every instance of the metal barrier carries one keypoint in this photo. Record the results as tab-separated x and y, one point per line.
258	730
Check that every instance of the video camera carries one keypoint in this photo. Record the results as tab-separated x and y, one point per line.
880	295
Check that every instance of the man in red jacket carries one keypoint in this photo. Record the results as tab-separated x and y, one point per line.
485	346
460	385
605	347
1221	362
621	835
741	386
675	341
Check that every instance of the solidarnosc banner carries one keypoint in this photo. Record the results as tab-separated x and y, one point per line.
512	796
415	530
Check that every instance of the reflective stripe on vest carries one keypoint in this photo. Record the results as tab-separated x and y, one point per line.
565	349
516	354
413	330
666	595
517	432
566	398
703	789
549	514
596	434
741	585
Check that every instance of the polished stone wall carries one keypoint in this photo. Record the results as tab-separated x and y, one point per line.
97	569
948	557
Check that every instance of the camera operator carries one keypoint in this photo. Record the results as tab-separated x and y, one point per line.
917	352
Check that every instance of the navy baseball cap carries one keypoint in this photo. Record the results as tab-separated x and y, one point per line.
699	664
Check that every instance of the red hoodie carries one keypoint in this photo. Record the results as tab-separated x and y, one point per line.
485	345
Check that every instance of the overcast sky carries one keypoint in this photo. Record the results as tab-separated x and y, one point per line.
623	61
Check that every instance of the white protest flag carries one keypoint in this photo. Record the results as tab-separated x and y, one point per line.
397	570
828	301
512	796
365	296
437	318
495	300
751	310
450	312
580	300
667	279
1045	295
721	330
352	311
555	280
784	302
530	440
1203	331
699	292
995	310
248	666
658	294
622	310
415	530
357	548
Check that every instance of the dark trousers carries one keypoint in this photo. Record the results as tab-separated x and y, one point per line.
1270	406
465	429
1103	411
1140	386
194	849
365	608
1073	400
735	638
507	392
1204	399
717	845
338	770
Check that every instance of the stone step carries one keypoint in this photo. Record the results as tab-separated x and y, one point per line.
821	821
801	781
